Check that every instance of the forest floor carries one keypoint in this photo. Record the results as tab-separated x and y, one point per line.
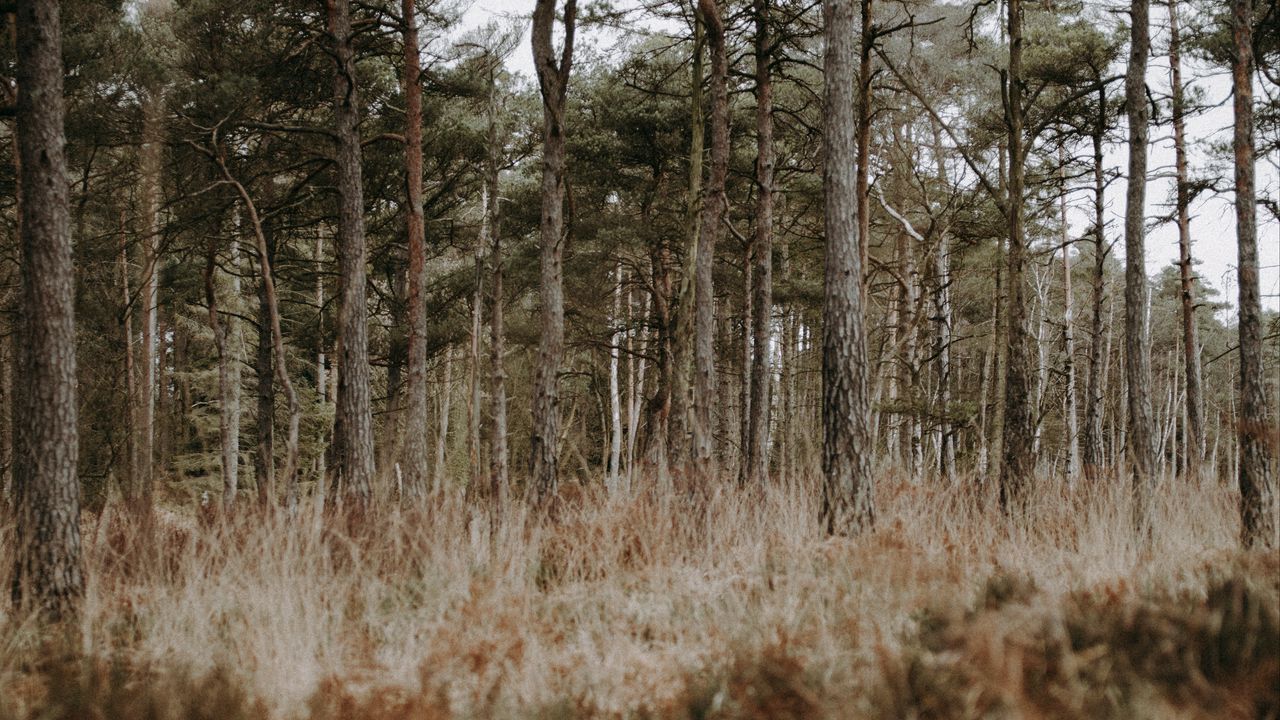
640	607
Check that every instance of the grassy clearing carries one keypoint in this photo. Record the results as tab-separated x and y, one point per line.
635	607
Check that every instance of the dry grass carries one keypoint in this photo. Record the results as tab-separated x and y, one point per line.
634	607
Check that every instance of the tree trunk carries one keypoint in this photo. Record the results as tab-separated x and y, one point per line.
1137	329
150	169
289	474
48	573
130	372
227	342
708	233
1093	400
1195	447
442	434
498	453
1069	333
946	464
847	502
553	81
1255	447
264	467
353	416
757	457
474	397
1018	457
414	457
615	392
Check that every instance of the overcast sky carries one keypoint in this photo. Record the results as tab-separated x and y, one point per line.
1213	216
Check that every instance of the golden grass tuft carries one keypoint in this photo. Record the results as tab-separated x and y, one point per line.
639	606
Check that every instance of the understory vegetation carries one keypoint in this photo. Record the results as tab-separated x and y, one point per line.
653	605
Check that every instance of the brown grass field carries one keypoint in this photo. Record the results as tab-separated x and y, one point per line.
640	607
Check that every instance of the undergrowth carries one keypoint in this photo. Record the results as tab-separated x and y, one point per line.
641	606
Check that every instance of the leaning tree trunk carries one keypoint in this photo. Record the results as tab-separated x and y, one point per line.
1137	328
1255	450
353	416
847	505
48	573
553	81
1195	447
415	453
704	389
1018	460
757	456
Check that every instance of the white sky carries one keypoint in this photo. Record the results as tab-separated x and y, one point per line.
1213	216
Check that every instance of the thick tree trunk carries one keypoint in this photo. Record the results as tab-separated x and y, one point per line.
48	573
681	338
847	502
553	81
353	416
704	388
1018	458
414	457
1137	329
1255	448
1195	447
757	455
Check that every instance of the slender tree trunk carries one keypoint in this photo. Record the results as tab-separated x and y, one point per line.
553	81
615	393
1195	448
48	573
1255	444
227	342
353	416
474	397
442	436
946	443
289	474
150	169
757	457
414	458
322	380
1069	333
847	504
264	458
708	234
1018	462
498	453
130	372
1137	328
1093	401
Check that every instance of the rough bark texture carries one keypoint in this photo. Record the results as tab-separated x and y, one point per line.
1018	457
1069	334
1255	449
48	573
704	385
353	423
415	453
757	457
847	505
553	81
1195	447
1137	328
